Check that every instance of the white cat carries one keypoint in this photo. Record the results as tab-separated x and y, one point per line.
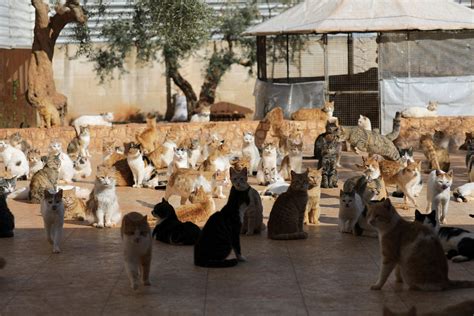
180	160
276	188
66	171
350	209
102	207
52	210
417	111
203	116
438	193
104	119
267	163
170	146
14	160
250	150
364	122
82	168
464	193
180	108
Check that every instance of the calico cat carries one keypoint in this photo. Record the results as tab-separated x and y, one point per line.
332	127
370	142
250	150
458	243
180	159
292	161
18	142
80	144
137	249
82	168
66	171
364	122
438	193
438	158
141	167
35	162
149	137
201	208
170	229
74	207
464	193
52	210
328	161
102	208
221	234
7	220
49	115
313	210
412	248
288	211
415	111
44	179
251	213
268	162
194	151
104	119
322	114
351	207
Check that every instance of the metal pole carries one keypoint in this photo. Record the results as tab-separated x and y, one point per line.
287	59
350	54
326	67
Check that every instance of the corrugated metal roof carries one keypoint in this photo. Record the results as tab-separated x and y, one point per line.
16	24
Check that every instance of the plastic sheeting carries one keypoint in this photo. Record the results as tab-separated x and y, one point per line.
455	96
290	97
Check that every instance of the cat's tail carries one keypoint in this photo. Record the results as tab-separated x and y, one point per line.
472	215
457	284
290	236
216	263
2	263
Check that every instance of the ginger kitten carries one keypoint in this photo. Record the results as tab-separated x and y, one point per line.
313	210
412	248
149	137
201	208
136	238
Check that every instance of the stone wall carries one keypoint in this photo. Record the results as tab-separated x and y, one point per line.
413	128
230	131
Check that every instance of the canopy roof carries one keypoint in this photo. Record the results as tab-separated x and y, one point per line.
333	16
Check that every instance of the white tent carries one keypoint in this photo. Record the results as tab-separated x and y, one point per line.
332	16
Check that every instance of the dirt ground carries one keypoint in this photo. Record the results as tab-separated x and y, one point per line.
328	274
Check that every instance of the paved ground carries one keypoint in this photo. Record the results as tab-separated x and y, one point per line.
328	274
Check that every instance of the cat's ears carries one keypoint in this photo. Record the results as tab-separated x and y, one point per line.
59	194
450	173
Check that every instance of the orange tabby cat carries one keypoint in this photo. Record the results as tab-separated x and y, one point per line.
149	137
273	120
438	158
316	114
49	115
203	206
412	248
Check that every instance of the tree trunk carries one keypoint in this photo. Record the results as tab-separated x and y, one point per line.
41	87
219	64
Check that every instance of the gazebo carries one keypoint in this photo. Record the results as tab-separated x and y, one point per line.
370	57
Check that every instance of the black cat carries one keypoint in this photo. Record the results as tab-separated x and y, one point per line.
170	230
7	220
221	234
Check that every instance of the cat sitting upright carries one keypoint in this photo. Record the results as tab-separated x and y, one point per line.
288	211
66	170
267	164
79	145
458	243
251	213
438	158
170	229
313	210
202	113
35	162
438	193
250	150
141	167
292	161
136	237
7	220
102	207
52	210
412	248
221	234
351	207
149	137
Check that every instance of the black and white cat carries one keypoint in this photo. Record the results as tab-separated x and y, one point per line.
221	234
170	230
458	243
7	220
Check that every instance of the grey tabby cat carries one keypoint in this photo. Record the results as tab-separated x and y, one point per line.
331	128
251	214
367	188
328	161
370	142
44	179
18	142
287	214
397	122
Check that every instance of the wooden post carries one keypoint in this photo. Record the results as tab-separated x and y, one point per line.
350	54
262	57
326	67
